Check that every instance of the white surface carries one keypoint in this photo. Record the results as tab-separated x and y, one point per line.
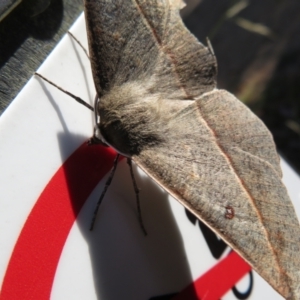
32	131
115	261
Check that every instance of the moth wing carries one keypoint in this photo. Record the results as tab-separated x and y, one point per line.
145	41
219	158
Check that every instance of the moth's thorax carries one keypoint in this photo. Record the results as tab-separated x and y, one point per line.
129	119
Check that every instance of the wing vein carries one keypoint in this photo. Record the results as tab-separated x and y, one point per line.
164	49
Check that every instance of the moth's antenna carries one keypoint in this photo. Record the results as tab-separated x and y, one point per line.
77	41
78	99
107	184
136	190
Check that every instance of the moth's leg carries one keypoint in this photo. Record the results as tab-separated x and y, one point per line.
137	191
78	99
78	42
209	45
107	184
94	141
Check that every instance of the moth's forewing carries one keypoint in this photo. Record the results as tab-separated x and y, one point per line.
146	41
211	153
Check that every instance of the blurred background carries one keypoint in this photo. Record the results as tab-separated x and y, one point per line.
256	42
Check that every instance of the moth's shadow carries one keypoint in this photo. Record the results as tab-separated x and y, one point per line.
125	263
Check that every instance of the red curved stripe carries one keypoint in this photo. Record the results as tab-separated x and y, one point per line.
34	260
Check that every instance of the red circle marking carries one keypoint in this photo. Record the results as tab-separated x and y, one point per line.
29	275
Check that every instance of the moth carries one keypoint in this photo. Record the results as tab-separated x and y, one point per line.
157	103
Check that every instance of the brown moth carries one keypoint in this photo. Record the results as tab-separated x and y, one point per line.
158	104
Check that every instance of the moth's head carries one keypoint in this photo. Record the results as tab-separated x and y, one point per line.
111	118
108	129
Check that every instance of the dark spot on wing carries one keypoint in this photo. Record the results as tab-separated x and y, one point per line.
229	214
